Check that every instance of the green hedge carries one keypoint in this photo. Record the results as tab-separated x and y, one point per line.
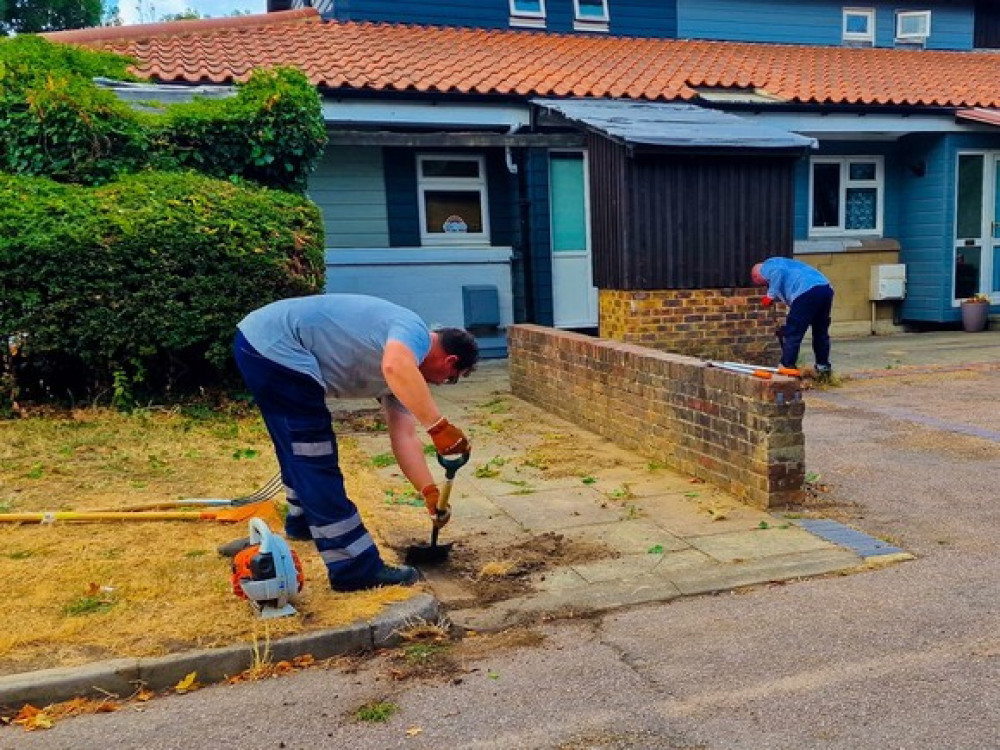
56	122
134	288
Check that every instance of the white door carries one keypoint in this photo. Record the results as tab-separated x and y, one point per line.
977	226
574	296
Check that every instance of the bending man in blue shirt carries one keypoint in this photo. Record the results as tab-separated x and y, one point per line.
809	297
296	353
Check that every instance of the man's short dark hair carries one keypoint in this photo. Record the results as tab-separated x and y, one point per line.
463	345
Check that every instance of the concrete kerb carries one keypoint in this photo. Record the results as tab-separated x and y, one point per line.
121	678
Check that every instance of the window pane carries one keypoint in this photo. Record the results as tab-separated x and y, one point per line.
967	261
592	9
856	23
860	208
568	203
527	6
453	212
864	170
449	168
826	195
913	25
969	222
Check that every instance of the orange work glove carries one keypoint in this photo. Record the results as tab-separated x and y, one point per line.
766	301
448	439
431	495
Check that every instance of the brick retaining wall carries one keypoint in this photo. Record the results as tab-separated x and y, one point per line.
726	324
740	433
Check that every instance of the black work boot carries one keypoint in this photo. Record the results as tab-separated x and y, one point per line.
389	575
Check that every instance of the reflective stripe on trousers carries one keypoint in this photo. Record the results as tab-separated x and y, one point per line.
294	410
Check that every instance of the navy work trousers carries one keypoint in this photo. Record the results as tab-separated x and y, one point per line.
810	309
294	409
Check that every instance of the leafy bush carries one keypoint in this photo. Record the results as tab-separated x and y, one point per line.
56	122
135	287
272	132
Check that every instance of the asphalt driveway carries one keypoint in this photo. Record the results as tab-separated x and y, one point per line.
907	656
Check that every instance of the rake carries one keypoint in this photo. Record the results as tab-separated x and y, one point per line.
222	515
270	488
214	509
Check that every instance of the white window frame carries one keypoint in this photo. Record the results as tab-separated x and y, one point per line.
903	15
477	184
846	183
583	22
527	18
853	36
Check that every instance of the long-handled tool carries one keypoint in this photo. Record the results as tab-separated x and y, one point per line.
263	508
793	372
757	372
434	553
266	492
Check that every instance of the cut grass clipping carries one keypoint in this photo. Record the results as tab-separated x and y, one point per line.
80	592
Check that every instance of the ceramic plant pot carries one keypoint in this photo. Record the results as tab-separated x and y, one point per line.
975	315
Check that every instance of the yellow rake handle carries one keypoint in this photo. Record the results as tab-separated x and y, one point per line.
222	515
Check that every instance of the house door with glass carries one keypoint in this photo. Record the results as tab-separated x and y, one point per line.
574	296
977	226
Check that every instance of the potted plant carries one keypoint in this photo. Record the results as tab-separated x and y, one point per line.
975	312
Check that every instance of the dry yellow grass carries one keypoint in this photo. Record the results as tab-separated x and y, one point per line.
78	592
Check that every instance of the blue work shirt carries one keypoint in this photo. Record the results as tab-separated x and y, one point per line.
336	339
788	279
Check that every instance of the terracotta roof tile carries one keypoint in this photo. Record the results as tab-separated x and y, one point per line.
400	58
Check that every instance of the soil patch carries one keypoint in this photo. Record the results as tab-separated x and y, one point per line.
493	575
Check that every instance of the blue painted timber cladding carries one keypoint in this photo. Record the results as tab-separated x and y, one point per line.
919	213
816	21
501	192
779	21
925	234
656	18
401	197
929	239
488	14
539	250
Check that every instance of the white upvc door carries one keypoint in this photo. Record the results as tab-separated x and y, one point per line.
574	296
977	226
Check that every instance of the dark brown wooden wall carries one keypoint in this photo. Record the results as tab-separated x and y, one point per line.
987	31
664	221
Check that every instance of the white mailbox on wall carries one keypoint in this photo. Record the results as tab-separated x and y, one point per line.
888	281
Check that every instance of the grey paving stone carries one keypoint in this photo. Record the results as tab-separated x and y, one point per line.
741	546
558	509
630	537
724	577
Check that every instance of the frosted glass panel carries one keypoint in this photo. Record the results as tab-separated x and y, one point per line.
569	228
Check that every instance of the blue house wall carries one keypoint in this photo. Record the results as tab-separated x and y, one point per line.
816	21
777	21
656	18
926	229
539	240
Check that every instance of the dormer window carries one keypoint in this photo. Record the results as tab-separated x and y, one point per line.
590	15
913	26
527	13
859	26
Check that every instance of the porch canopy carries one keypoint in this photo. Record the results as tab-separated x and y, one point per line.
667	125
